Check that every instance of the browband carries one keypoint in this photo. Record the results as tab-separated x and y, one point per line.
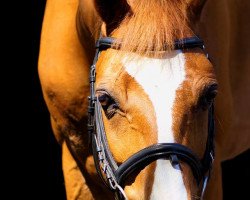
105	43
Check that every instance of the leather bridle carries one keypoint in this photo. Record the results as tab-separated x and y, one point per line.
114	176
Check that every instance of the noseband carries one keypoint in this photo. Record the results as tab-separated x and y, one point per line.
114	176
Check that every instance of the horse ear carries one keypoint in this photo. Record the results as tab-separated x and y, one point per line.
195	8
112	12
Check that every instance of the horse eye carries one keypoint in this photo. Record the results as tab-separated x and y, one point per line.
104	99
108	104
209	95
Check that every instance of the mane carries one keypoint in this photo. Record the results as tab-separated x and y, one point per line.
151	24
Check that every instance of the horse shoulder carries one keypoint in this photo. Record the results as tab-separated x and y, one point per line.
239	61
63	63
225	28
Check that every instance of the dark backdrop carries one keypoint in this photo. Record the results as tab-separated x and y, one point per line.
236	172
48	176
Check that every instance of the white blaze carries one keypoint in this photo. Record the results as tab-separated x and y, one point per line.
160	78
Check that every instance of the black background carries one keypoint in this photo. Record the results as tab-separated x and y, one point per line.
236	172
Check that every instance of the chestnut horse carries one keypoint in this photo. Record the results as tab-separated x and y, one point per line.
150	93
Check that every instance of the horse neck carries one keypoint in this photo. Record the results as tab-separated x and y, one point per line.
88	25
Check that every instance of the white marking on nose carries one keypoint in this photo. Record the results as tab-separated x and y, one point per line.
160	78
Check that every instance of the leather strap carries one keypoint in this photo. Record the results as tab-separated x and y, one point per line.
105	43
144	157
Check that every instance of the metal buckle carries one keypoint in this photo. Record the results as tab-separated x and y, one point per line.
204	49
104	165
92	74
212	157
204	186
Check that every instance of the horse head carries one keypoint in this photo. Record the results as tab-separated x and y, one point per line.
152	100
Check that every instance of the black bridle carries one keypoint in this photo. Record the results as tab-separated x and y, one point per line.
114	176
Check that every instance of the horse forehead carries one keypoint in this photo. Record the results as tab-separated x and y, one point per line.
153	72
157	74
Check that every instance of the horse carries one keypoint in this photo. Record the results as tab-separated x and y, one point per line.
159	109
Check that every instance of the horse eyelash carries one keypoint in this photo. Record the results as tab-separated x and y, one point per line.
110	112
